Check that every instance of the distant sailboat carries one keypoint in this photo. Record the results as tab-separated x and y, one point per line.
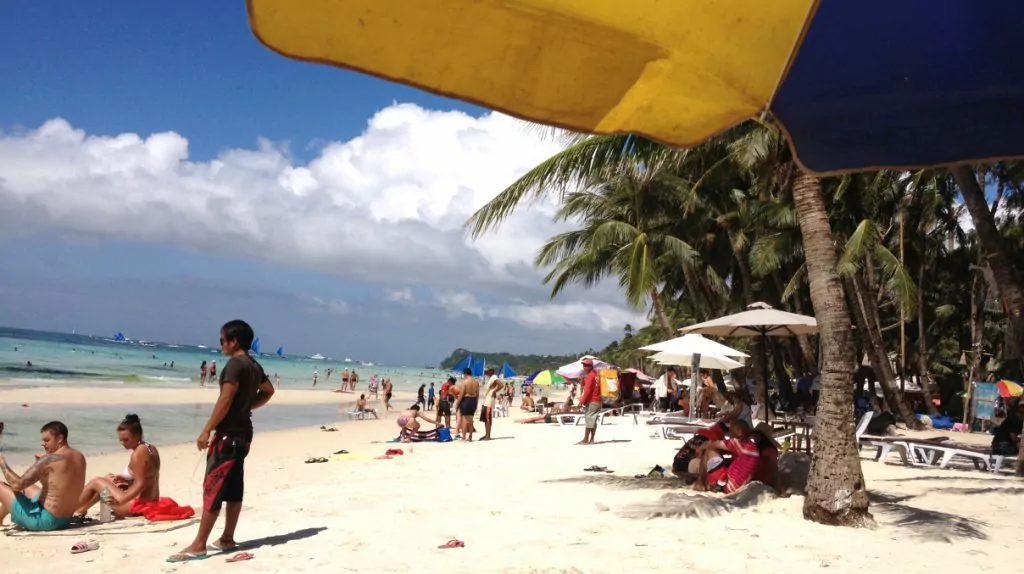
280	352
318	357
255	347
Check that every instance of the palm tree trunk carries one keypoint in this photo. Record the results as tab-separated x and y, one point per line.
1008	285
867	324
659	311
924	374
836	493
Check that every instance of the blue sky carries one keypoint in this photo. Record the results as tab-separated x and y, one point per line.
322	205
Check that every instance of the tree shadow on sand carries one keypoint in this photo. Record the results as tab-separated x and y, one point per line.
279	539
700	505
953	477
624	482
923	523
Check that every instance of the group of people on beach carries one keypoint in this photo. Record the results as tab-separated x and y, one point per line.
464	398
53	493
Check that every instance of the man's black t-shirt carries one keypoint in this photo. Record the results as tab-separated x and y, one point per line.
1011	425
248	374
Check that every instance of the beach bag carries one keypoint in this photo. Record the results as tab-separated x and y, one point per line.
609	384
444	434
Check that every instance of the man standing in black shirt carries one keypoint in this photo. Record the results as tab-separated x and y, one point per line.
243	387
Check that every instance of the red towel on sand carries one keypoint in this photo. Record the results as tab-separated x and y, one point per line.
161	509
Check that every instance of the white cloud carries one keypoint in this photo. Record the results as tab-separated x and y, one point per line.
573	316
316	305
403	295
392	200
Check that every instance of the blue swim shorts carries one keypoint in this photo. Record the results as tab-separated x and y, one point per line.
29	514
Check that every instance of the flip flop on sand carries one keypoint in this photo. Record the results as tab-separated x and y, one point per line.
315	460
84	546
187	557
394	451
240	557
343	451
595	468
453	543
331	429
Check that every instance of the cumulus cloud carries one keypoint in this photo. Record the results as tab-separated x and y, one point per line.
577	315
390	201
318	305
403	295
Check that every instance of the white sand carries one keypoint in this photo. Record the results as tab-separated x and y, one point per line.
523	504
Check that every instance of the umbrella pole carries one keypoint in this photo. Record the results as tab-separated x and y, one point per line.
764	372
694	377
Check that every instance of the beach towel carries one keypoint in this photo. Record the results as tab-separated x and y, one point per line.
943	423
745	457
162	509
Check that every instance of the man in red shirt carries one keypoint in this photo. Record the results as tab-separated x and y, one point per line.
590	400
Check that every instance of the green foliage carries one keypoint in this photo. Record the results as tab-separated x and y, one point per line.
523	364
703	232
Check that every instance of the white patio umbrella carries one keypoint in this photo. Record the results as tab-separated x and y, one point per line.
703	361
574	370
694	343
762	320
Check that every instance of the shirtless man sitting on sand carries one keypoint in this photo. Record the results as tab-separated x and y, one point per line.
140	480
61	470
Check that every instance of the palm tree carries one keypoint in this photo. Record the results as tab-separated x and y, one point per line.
626	232
1007	282
836	492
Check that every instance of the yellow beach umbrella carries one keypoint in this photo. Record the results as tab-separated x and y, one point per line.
591	65
679	71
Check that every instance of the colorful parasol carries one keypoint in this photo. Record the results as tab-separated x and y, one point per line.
1008	389
547	377
855	85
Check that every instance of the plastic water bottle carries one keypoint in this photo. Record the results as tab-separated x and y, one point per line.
105	514
786	445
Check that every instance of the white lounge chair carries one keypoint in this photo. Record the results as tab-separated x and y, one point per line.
357	414
930	454
883	445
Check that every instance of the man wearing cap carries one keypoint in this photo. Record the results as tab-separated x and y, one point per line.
590	401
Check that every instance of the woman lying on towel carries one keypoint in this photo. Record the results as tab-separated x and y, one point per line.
140	480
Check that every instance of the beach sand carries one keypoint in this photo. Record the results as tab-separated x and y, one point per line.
523	503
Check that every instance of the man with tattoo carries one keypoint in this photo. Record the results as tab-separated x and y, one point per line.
244	387
61	470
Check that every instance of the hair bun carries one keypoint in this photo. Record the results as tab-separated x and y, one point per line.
131	418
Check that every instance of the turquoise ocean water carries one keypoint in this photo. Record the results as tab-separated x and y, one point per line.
61	360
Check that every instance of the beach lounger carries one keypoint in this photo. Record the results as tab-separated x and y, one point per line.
357	414
932	454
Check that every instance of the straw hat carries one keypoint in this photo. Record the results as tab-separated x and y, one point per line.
767	432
